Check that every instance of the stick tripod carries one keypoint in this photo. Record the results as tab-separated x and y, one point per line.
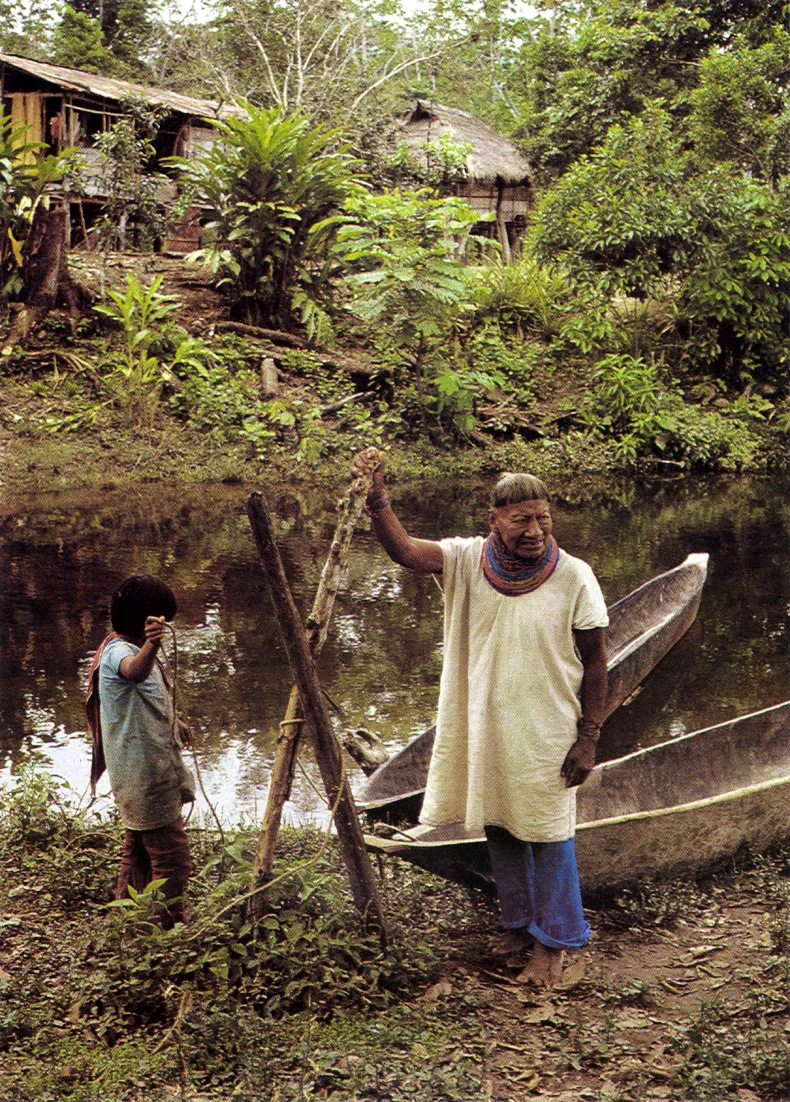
302	647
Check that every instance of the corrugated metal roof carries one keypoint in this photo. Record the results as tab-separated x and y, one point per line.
492	156
75	80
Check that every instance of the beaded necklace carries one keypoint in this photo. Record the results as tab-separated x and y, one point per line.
511	575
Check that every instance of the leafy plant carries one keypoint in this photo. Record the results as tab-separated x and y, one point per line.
623	217
441	163
131	207
735	300
265	184
141	370
626	392
525	296
404	255
26	177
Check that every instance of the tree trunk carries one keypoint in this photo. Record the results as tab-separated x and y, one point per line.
46	274
327	750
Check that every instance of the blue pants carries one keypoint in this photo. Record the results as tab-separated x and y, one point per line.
538	888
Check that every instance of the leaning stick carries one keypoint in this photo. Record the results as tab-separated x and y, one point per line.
327	749
290	729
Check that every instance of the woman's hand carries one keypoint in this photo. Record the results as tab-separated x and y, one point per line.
371	464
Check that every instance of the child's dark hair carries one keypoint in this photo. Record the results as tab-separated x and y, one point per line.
137	598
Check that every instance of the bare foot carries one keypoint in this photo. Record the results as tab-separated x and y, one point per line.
509	942
545	968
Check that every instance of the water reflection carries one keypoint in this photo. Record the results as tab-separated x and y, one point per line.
61	558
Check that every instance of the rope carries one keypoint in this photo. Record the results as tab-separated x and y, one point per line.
236	900
198	774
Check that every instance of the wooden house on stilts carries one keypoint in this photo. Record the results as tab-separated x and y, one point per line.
496	176
68	108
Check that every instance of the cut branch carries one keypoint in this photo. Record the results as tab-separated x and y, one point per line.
327	749
276	336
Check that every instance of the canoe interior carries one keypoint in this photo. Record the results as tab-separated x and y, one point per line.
643	627
648	608
741	753
742	763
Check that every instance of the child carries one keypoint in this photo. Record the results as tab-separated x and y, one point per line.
130	714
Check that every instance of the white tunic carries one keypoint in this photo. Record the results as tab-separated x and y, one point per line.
509	697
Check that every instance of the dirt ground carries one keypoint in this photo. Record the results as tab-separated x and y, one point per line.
641	1006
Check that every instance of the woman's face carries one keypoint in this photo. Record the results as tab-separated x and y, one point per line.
524	528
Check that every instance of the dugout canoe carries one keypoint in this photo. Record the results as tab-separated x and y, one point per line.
676	808
643	627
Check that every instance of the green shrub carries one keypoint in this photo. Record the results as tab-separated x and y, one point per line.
267	182
144	364
404	255
524	296
26	178
625	393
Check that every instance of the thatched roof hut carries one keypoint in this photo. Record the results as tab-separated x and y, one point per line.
497	177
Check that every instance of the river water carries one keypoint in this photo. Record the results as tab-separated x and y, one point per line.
61	557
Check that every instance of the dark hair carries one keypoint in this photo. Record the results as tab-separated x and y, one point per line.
137	598
513	488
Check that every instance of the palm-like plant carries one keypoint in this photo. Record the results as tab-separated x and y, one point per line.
267	181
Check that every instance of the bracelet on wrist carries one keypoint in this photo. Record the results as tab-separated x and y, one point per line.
378	505
588	729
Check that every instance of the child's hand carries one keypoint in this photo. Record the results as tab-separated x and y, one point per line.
155	628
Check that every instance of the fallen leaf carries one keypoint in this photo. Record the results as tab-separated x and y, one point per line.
632	1019
439	990
539	1014
703	950
573	975
532	1077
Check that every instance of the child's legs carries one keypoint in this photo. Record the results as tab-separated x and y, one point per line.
169	853
135	865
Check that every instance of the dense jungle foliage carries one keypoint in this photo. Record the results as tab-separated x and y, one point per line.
647	315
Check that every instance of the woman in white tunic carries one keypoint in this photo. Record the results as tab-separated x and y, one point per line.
521	702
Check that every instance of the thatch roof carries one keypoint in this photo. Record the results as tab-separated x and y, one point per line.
108	88
493	157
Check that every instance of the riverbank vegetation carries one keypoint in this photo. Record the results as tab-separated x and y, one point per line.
642	328
685	997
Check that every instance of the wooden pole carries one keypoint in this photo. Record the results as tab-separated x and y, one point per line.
291	727
314	710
